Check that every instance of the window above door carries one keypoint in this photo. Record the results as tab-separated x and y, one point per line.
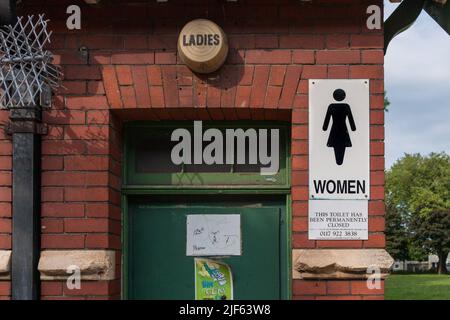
149	162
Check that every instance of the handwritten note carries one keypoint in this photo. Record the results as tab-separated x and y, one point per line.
213	235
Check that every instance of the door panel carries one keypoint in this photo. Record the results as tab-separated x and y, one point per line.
158	267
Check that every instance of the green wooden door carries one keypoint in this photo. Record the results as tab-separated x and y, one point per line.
158	267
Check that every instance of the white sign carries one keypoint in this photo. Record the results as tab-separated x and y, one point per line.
339	139
213	235
338	220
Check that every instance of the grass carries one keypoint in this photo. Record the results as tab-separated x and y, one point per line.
417	287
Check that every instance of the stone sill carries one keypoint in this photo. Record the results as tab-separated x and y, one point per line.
339	263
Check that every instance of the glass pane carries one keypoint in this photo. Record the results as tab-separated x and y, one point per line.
153	155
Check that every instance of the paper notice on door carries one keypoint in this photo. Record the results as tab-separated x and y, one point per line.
213	280
213	235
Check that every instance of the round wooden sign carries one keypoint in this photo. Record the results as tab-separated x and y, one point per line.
203	46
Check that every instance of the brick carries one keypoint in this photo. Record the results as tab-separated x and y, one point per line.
300	224
52	163
96	87
366	71
5	225
372	56
135	42
290	86
300	193
376	163
376	208
243	96
266	42
86	194
277	74
303	56
338	287
50	288
68	116
165	57
268	57
338	72
272	97
338	57
241	41
376	117
376	224
299	178
300	132
102	241
89	288
313	41
54	241
247	72
92	102
299	116
5	209
128	97
133	58
154	75
258	94
52	225
111	86
5	194
74	87
308	287
52	194
367	41
86	225
93	132
361	287
377	133
300	241
300	208
5	178
298	297
57	209
101	41
301	101
377	192
97	117
337	41
63	147
314	72
82	73
375	241
377	178
5	241
5	288
124	75
169	74
300	162
86	163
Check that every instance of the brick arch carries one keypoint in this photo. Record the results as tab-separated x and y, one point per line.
175	86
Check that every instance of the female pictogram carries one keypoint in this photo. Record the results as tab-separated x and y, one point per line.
339	138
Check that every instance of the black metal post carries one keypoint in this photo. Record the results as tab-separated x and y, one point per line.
25	129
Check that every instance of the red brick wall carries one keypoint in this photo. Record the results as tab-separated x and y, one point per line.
132	72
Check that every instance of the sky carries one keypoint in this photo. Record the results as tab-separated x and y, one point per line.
417	82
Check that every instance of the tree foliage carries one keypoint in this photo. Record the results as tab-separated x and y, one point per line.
418	207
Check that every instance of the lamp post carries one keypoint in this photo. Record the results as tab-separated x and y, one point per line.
27	78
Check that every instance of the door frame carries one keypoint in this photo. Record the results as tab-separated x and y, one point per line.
284	191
